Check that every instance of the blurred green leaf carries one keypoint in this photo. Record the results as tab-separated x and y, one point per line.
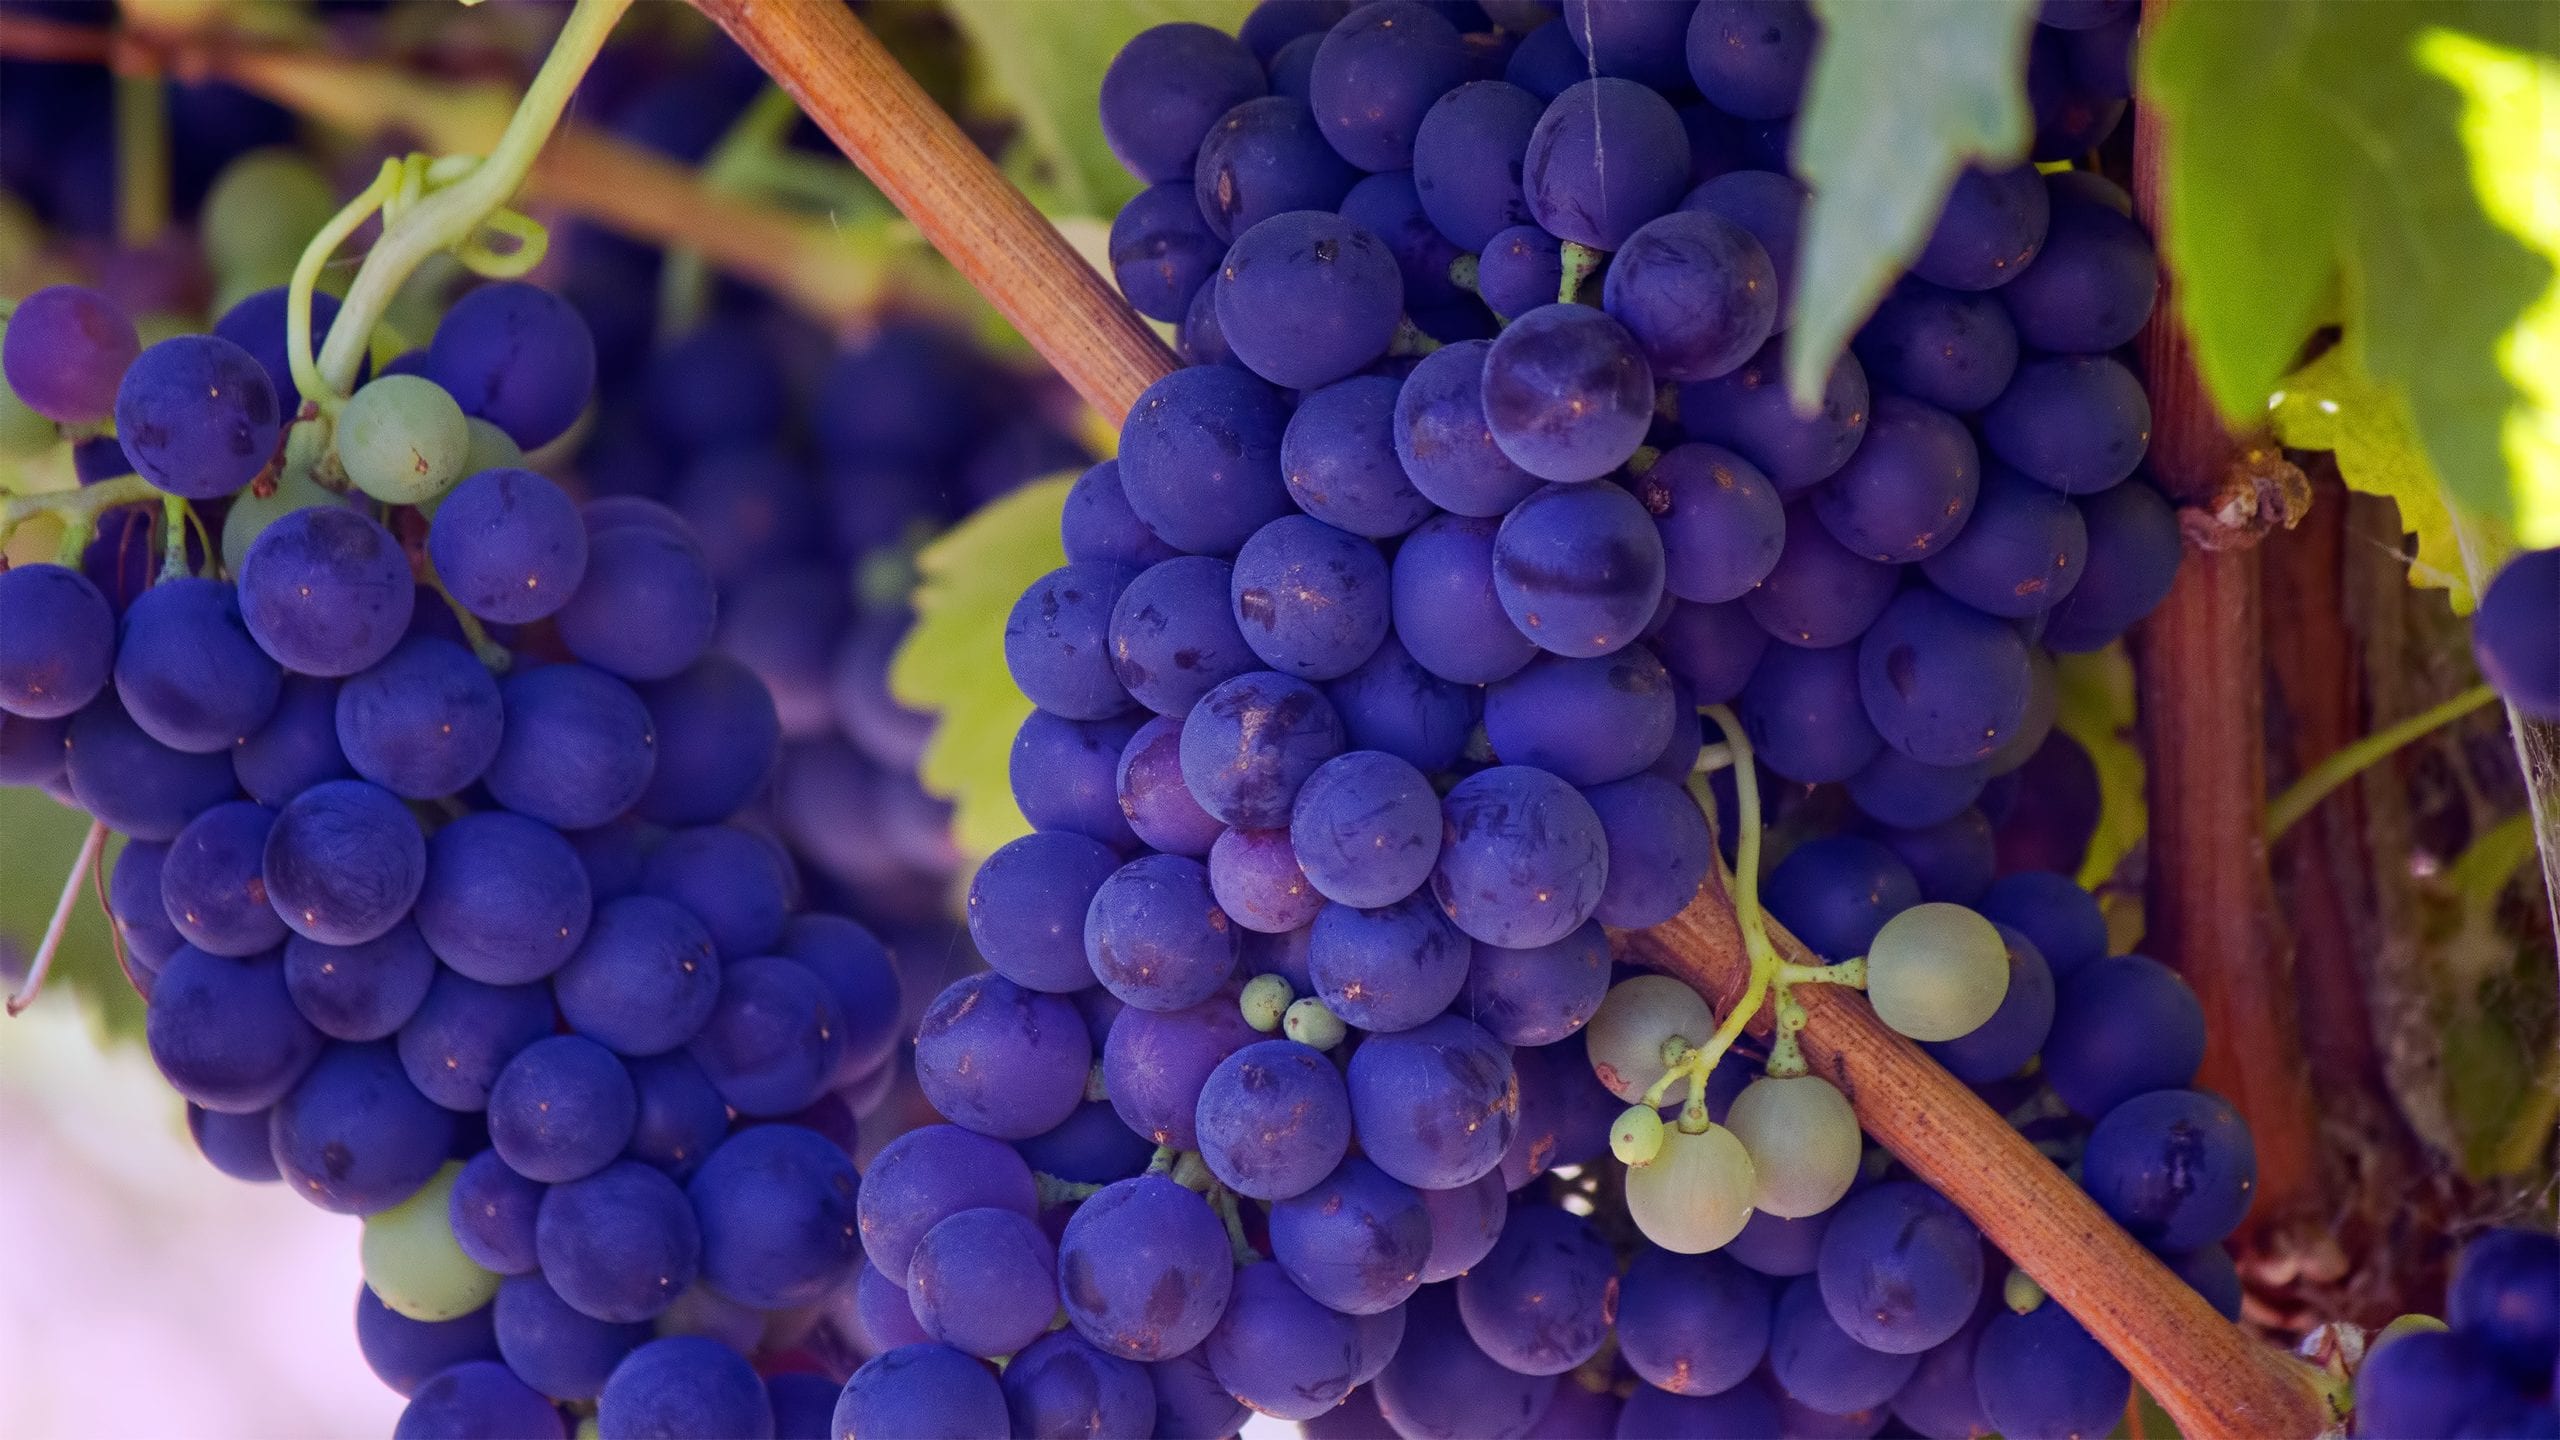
1047	59
1903	97
2395	156
2331	404
952	661
38	842
2096	708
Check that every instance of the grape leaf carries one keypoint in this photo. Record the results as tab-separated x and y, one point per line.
952	661
2392	153
39	839
1902	98
2331	404
1047	61
2096	708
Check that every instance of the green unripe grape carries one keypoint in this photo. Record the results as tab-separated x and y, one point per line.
262	210
403	440
1266	1001
412	1263
1937	971
1695	1195
251	513
1637	1137
1629	1037
1804	1143
1309	1023
2021	1293
491	449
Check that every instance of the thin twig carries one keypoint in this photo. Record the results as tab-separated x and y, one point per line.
51	946
2302	795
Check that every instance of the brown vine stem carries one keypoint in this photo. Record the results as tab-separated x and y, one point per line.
2212	1379
811	265
2200	670
885	123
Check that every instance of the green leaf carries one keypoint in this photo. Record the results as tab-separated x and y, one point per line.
1903	97
1047	61
2391	154
952	661
2096	708
2331	404
39	840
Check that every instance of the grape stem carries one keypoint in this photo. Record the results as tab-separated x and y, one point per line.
455	216
79	510
2305	794
1055	1192
491	654
1223	1200
1410	340
42	964
174	515
1581	262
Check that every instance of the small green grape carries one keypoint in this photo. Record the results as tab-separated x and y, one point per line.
1804	1143
412	1263
1266	1001
491	449
1309	1023
1629	1037
263	208
1937	971
2021	1293
251	513
1696	1194
403	440
1637	1137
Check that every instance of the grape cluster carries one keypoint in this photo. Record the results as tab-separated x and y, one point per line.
471	945
1371	692
2493	1369
814	560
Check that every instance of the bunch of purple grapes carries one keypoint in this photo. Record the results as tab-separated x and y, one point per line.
2493	1369
470	944
1371	692
912	428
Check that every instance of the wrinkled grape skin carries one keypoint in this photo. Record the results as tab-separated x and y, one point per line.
1692	1325
1542	1301
1434	1106
1443	441
1467	156
1573	193
1306	297
1568	393
1523	857
1376	76
1145	1269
